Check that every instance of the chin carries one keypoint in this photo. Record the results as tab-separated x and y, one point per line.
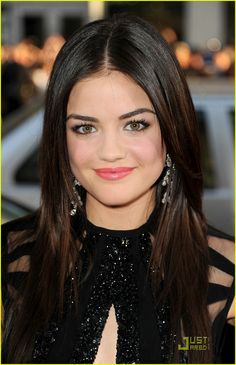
113	203
117	200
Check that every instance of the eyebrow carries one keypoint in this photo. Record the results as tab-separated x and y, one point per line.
87	118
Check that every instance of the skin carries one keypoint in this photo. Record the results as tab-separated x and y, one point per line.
114	142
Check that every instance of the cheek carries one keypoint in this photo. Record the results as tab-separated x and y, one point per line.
149	151
79	151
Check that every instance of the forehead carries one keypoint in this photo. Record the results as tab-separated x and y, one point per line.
112	92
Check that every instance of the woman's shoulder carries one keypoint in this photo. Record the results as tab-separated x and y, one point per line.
221	274
23	223
18	237
18	240
222	249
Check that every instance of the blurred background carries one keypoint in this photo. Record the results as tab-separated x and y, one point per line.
202	36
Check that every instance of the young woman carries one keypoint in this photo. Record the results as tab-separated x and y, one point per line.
118	264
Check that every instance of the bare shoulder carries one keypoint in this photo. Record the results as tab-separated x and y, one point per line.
224	246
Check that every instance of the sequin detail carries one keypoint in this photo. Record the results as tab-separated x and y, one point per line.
115	284
167	336
47	338
43	343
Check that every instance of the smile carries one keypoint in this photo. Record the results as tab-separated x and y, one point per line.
114	173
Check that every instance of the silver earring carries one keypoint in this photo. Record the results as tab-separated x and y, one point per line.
78	200
168	179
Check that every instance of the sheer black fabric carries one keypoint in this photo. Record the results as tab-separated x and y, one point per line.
118	281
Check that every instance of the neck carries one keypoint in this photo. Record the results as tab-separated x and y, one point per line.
125	217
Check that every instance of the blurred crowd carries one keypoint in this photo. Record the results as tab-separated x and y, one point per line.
214	60
25	70
26	67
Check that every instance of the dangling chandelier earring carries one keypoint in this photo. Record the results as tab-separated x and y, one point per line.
78	200
168	179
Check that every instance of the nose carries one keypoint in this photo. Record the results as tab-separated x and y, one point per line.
111	148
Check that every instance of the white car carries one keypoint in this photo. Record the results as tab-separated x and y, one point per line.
214	104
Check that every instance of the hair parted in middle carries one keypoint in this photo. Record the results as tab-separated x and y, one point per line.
139	51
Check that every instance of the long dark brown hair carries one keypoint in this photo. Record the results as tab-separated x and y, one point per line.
180	249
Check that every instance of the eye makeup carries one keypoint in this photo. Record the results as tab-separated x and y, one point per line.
84	128
137	125
131	126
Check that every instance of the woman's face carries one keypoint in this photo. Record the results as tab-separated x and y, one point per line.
114	139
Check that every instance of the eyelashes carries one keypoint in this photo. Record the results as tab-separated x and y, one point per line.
137	125
84	129
132	126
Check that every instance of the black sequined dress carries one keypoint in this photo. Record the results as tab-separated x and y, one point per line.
119	277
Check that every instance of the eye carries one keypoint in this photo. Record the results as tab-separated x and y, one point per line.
137	125
84	129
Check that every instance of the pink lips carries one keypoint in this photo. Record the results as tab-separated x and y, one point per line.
115	173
